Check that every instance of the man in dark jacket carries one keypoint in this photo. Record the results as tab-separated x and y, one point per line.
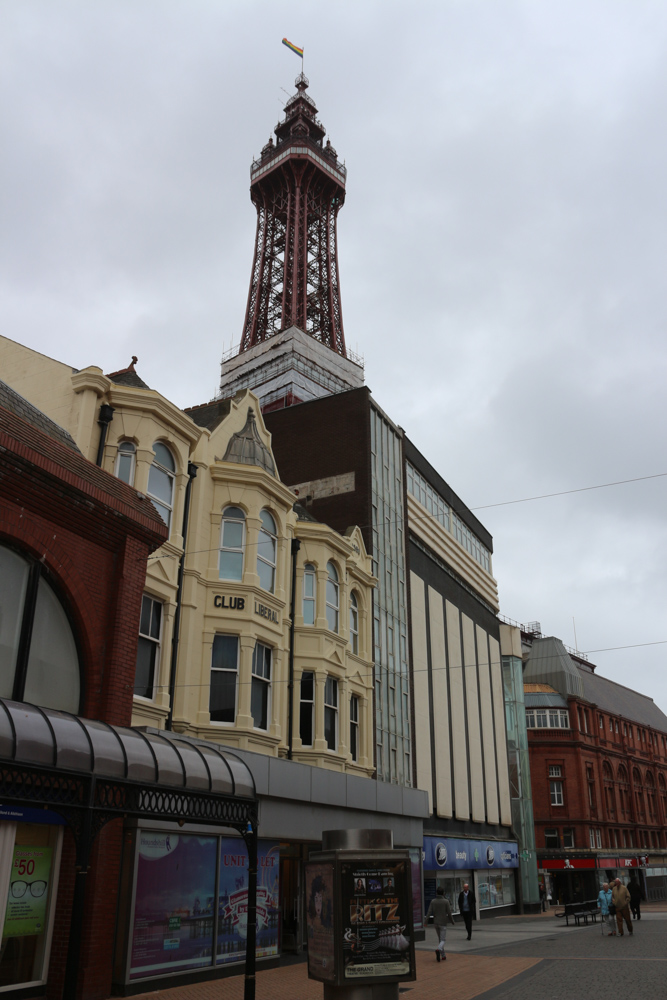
635	891
467	905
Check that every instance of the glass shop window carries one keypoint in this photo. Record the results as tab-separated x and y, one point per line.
496	888
29	863
39	662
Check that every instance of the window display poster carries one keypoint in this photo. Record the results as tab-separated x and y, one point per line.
233	900
173	911
416	871
377	911
319	921
28	891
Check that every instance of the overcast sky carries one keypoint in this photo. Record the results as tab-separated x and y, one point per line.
502	246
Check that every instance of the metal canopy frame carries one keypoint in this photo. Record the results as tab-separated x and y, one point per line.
88	799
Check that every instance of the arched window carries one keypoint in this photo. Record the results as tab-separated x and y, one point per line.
161	482
332	597
623	792
662	788
354	624
125	462
232	541
610	799
650	796
39	662
639	795
266	552
309	594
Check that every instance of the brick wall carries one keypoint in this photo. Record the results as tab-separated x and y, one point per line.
93	535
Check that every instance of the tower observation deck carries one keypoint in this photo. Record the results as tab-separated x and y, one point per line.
297	186
292	345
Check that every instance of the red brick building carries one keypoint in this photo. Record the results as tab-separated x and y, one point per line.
73	547
598	763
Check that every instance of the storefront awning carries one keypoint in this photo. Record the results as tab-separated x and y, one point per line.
68	763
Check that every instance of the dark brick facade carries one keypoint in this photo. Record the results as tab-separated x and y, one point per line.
92	534
327	437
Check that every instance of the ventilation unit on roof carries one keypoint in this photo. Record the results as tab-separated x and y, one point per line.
534	628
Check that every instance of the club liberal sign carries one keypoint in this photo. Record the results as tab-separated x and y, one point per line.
452	853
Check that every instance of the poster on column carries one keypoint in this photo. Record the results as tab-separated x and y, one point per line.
319	921
233	900
28	891
377	920
173	910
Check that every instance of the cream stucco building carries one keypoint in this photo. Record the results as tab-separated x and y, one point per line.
226	675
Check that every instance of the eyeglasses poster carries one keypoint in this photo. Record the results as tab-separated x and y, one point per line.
28	891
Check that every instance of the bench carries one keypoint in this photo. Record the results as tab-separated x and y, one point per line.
585	911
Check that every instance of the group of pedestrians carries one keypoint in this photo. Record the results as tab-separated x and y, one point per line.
615	901
441	910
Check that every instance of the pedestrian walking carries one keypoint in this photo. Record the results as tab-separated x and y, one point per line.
620	898
543	898
636	896
467	904
606	916
441	911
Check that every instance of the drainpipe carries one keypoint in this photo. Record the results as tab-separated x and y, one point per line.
104	419
192	473
296	545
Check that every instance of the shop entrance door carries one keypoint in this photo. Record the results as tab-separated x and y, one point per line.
290	898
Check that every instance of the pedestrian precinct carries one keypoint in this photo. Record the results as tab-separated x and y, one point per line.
620	898
636	896
441	911
467	905
604	902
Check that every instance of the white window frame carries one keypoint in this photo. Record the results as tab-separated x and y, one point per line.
555	771
126	449
333	610
226	670
266	533
229	519
331	707
354	624
309	573
354	727
556	793
259	676
158	502
156	643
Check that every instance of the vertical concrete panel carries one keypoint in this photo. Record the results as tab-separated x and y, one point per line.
472	707
501	733
488	741
422	700
443	766
459	749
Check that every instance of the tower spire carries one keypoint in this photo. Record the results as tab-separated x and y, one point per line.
297	186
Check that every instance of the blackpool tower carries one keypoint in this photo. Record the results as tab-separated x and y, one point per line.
292	345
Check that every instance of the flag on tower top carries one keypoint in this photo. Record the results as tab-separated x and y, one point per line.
294	48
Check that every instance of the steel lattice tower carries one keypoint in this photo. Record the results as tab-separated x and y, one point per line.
297	186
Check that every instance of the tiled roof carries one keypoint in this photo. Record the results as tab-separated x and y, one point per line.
128	376
303	514
619	700
209	414
12	401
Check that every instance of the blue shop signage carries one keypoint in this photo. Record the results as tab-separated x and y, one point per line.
450	853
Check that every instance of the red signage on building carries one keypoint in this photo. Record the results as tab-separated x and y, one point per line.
566	864
622	862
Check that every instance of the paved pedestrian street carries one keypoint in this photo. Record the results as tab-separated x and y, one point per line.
508	958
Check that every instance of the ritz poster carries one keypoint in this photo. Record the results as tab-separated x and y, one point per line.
377	920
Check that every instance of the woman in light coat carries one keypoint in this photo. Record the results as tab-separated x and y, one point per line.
604	902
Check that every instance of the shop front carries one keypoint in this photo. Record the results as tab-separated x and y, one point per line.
488	866
568	880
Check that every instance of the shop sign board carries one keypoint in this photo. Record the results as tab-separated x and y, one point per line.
566	864
623	862
175	902
28	891
451	853
21	814
376	901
